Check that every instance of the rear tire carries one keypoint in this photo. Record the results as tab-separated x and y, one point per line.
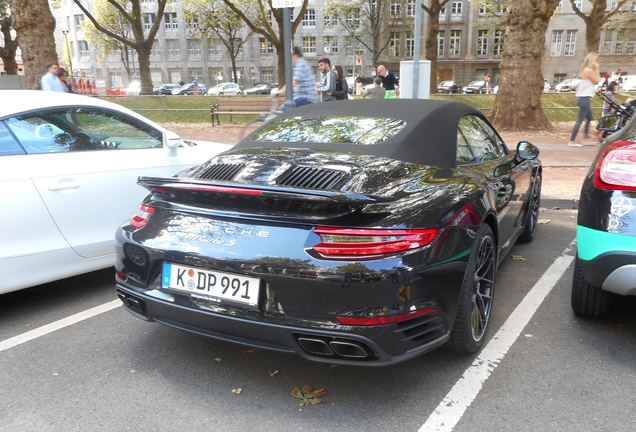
588	300
475	299
527	235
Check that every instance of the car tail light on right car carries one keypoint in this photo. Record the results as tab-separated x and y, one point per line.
616	167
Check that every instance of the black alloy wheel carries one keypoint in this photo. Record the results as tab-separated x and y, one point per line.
527	235
476	297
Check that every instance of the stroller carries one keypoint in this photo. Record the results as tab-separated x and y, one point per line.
622	114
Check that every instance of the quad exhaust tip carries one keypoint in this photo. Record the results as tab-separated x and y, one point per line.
343	348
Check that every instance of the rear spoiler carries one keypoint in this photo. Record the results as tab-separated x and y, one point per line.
165	185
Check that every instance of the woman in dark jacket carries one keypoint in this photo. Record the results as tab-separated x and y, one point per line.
342	89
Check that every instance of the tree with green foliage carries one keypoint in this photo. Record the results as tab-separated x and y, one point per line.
261	18
215	19
10	46
131	13
518	102
598	16
34	24
106	14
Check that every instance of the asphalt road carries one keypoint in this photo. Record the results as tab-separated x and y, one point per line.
114	372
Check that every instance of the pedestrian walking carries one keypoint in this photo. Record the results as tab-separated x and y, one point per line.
342	88
487	81
327	86
377	91
303	80
63	77
389	81
51	80
590	76
610	94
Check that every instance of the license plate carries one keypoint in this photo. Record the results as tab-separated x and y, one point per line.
209	285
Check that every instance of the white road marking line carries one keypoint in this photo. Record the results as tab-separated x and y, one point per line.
451	409
57	325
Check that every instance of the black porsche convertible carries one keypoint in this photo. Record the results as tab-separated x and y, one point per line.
357	232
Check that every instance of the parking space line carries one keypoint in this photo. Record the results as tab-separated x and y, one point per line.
451	409
57	325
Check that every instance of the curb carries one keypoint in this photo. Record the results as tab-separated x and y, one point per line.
560	203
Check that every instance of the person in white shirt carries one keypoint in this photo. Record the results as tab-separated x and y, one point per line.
590	76
51	80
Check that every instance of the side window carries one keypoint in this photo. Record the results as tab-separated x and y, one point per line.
108	131
464	153
479	141
499	144
42	132
8	145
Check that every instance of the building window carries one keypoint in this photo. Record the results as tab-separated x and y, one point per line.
330	20
409	43
267	75
482	10
440	44
578	4
349	42
83	48
309	44
115	79
482	42
331	44
192	23
570	43
455	42
497	42
79	19
456	9
309	19
194	47
149	19
410	8
442	14
170	20
265	47
173	47
560	77
353	19
501	9
214	47
557	42
394	45
395	9
620	42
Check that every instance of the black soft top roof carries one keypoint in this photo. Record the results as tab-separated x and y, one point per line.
429	137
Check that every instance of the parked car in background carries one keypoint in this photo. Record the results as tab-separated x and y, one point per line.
629	83
133	88
188	89
478	87
567	85
225	89
261	89
68	171
165	89
605	265
449	87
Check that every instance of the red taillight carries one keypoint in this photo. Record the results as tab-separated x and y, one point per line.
140	219
616	167
382	320
214	188
356	242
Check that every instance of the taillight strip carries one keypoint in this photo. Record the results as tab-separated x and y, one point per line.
383	320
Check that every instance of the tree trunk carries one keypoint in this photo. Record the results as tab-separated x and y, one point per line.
34	24
143	55
594	24
233	61
281	66
7	53
518	102
431	42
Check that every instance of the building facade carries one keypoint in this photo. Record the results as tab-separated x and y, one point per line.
469	43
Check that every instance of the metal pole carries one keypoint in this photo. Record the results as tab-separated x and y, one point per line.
418	47
289	85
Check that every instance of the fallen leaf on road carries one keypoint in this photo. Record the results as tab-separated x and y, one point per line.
218	359
308	395
237	391
333	366
273	373
544	221
251	351
517	258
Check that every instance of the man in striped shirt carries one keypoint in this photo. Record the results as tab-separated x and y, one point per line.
304	85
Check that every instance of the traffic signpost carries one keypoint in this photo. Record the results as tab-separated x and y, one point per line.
286	5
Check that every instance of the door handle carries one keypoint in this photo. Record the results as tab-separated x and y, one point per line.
64	184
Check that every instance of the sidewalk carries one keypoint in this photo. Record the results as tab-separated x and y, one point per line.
564	167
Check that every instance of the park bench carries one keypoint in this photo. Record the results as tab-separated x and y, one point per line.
239	105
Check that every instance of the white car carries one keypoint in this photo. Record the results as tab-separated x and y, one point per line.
133	89
225	89
629	82
567	85
68	178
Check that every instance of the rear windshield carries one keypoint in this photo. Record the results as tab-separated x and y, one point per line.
344	130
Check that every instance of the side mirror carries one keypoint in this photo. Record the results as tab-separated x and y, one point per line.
609	123
527	151
171	141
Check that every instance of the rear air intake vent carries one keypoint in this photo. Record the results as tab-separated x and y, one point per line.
222	172
423	329
312	178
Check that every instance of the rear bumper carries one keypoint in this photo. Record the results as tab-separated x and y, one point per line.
612	271
364	346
